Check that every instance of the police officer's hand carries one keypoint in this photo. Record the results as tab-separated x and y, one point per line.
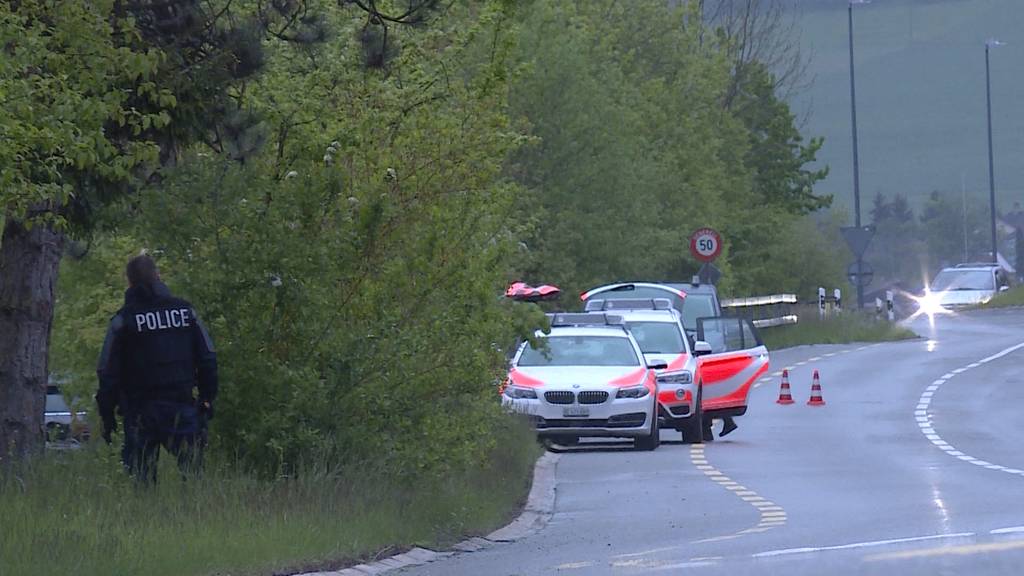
109	427
206	409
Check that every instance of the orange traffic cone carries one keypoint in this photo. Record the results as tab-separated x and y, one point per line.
785	397
816	399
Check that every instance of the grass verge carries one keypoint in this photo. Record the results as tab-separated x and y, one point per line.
77	513
836	329
1012	297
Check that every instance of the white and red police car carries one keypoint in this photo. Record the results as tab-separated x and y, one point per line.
657	327
729	355
586	378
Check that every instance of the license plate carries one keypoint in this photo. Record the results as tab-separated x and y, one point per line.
576	412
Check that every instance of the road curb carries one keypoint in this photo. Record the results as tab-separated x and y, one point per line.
535	515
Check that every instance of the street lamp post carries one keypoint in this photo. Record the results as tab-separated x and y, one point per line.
991	163
856	155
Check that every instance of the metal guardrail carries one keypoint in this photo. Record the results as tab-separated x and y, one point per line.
780	321
764	311
759	301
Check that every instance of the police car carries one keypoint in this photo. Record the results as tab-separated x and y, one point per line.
586	378
658	329
731	355
693	299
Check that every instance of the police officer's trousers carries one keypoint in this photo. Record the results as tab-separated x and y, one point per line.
175	426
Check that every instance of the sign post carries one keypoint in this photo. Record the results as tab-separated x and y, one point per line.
858	238
860	274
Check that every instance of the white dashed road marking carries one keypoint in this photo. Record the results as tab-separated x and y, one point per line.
924	419
856	545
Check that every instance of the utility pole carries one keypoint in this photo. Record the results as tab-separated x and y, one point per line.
963	196
991	163
856	156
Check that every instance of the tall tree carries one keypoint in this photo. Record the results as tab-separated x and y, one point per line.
64	77
98	95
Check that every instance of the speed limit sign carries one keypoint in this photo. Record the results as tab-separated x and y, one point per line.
705	244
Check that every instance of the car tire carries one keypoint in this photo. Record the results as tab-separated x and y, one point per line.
652	440
693	428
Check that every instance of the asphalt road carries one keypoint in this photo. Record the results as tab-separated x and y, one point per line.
912	467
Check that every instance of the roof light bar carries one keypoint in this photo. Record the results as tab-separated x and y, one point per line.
629	304
566	319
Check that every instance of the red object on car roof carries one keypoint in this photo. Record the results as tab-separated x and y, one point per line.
525	293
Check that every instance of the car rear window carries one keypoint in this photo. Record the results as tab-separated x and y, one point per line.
581	351
658	337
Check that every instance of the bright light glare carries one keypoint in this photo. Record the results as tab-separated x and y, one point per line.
931	303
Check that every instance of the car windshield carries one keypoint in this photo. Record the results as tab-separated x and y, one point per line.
581	351
658	337
697	306
949	280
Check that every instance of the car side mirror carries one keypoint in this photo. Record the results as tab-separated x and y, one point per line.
657	365
701	348
1004	288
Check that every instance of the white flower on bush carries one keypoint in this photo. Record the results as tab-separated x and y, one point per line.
390	175
275	281
291	174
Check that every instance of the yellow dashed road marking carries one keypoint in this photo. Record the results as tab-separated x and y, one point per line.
950	551
771	514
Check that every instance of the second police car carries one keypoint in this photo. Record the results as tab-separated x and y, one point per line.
731	355
585	378
658	329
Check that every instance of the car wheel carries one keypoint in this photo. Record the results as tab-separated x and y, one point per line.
652	440
693	428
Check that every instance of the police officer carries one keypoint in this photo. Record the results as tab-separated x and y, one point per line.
155	354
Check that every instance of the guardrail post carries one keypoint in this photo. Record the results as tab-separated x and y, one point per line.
821	302
889	305
839	300
878	306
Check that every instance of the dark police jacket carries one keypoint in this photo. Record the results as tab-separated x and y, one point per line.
155	350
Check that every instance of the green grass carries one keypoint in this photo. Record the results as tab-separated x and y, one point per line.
1013	297
837	329
76	513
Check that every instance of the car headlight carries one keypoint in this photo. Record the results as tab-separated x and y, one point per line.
634	392
681	377
517	393
931	303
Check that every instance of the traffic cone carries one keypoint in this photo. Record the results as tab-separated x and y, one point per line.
816	399
785	397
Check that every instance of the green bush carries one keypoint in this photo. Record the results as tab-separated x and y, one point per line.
349	272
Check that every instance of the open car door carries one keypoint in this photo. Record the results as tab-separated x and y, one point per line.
737	359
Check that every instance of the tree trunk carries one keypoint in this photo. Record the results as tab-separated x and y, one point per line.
29	259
